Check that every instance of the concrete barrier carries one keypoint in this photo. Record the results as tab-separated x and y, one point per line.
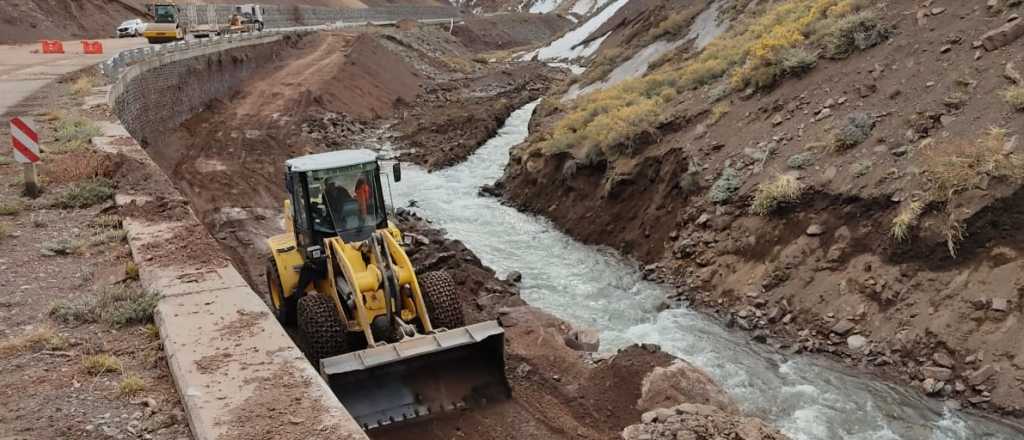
238	373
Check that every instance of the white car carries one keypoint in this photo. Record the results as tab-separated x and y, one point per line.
131	28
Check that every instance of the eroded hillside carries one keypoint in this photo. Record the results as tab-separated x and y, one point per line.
833	175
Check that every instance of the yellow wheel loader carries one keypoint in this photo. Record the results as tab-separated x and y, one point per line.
391	343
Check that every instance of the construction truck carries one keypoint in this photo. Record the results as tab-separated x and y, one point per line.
166	26
391	342
251	15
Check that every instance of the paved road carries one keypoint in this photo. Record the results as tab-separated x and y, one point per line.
23	72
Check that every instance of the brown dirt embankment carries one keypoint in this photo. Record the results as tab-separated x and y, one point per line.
824	273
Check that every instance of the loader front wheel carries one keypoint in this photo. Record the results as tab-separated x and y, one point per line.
284	308
320	328
442	303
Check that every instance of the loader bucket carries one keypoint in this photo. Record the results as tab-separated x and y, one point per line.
422	376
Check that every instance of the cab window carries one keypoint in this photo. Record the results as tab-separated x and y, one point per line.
347	201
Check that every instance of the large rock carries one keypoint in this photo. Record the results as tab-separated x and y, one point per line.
679	383
1003	35
694	421
583	339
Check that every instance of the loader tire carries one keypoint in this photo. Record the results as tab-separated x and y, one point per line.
442	303
321	330
285	314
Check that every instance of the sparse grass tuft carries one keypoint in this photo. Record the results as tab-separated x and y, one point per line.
783	189
41	339
131	270
152	331
900	229
4	230
85	194
101	363
1014	95
131	385
73	134
106	221
952	168
800	161
857	129
117	307
726	185
82	86
862	167
10	207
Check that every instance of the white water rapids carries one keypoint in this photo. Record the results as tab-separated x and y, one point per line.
597	287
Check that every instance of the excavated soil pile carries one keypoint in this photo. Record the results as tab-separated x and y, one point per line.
868	261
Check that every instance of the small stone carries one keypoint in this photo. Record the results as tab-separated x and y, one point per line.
815	230
937	373
824	113
937	11
953	404
1000	305
945	49
942	359
929	84
295	420
514	276
777	119
703	219
583	339
843	327
830	103
931	386
856	342
979	376
900	151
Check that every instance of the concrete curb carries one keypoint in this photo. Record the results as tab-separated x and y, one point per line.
239	374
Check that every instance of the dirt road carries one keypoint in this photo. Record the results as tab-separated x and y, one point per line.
23	70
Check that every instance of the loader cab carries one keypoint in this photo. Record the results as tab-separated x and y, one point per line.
338	193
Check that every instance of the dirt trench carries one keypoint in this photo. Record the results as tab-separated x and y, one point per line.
331	91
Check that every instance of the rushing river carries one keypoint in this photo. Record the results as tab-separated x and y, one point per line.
597	287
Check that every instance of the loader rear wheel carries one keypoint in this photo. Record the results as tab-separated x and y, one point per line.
320	327
285	313
442	303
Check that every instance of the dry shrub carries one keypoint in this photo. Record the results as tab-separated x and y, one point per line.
783	189
1014	95
101	363
85	194
41	339
79	165
955	167
117	307
840	38
727	184
758	51
131	385
717	112
855	131
907	217
82	86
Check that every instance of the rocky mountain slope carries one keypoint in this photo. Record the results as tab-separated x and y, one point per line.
835	176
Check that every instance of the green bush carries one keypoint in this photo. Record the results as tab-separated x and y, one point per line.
727	184
85	194
800	161
840	38
1014	95
117	307
857	129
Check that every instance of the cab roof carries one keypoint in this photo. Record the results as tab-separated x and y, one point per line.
330	160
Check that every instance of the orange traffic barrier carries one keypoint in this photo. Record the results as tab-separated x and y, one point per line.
92	47
52	46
